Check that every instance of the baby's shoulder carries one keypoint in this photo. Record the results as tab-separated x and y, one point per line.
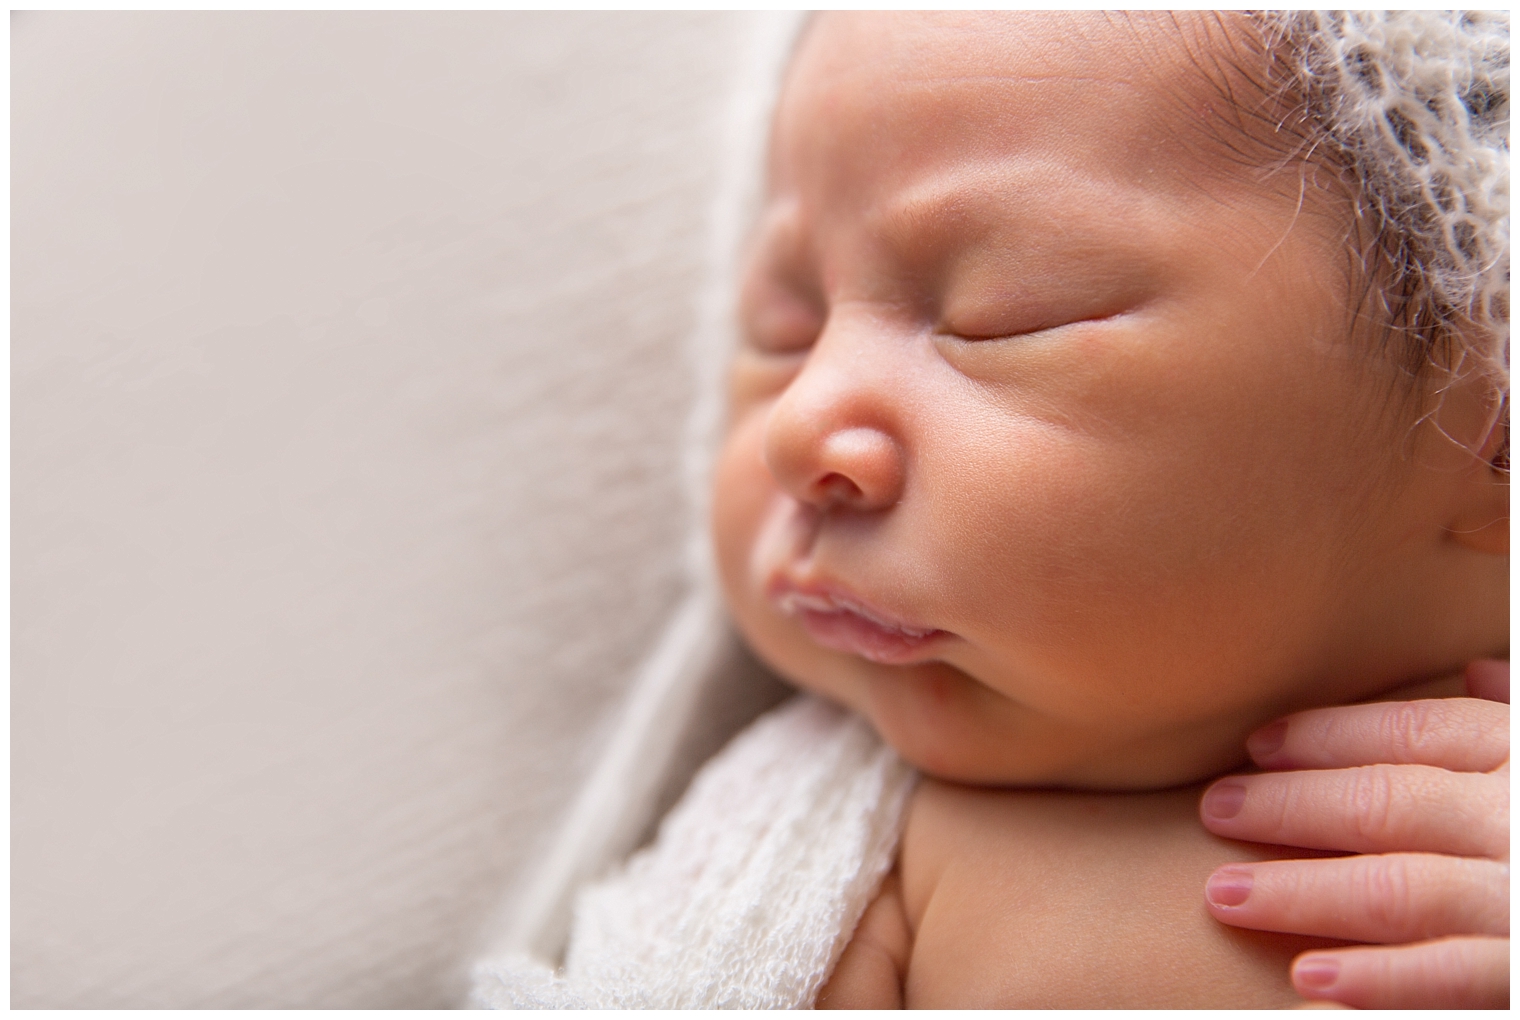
1058	899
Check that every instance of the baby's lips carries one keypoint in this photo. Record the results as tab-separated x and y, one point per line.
845	631
792	603
792	598
795	603
842	623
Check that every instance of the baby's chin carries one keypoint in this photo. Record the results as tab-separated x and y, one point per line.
954	729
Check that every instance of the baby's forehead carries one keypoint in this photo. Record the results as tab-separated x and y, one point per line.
870	98
1168	54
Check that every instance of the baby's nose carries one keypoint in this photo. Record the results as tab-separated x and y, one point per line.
824	448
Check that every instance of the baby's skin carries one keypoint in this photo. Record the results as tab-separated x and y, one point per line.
1061	452
1092	900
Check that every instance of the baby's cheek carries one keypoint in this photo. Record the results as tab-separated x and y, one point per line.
745	500
742	485
956	728
757	377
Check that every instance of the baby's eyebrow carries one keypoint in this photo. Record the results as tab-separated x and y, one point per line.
940	81
993	217
980	199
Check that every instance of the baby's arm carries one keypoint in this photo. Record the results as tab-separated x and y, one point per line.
1420	790
870	973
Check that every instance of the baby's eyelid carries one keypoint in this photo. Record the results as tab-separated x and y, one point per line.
951	333
777	331
781	320
1047	325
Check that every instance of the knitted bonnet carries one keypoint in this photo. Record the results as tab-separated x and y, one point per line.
1416	105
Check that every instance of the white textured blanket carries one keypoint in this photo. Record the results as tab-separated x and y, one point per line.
752	888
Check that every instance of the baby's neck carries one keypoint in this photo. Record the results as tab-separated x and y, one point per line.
1451	685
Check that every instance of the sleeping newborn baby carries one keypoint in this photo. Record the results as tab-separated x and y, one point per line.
1096	409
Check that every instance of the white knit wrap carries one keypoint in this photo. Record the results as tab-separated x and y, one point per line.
1419	101
752	888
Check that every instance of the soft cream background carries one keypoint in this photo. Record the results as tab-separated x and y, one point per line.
350	372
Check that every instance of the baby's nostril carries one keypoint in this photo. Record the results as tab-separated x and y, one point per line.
836	488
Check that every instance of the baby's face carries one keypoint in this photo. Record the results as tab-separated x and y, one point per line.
1051	451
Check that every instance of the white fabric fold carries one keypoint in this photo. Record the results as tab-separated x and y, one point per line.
752	887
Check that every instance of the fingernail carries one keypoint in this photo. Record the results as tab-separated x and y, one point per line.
1316	972
1267	740
1229	887
1223	800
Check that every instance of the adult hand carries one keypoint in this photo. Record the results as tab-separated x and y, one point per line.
1418	793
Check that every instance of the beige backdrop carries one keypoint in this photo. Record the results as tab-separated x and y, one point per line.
350	368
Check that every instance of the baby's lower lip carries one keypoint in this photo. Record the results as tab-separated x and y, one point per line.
844	629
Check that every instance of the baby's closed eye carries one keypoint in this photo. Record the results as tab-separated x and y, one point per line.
777	317
991	295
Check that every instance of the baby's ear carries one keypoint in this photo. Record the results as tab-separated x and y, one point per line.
1482	518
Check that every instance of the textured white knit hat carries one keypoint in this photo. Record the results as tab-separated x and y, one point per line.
1417	102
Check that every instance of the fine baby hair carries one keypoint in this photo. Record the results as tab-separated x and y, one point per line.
1406	115
1101	505
1415	105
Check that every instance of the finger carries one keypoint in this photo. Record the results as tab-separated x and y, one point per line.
1371	809
1460	734
1453	973
1384	898
1488	678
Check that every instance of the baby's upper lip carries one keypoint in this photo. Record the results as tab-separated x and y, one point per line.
791	596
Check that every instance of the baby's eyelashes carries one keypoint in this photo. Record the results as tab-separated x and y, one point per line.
997	316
